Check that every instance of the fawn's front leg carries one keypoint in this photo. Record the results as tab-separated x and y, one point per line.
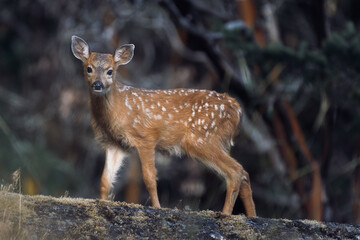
114	159
147	158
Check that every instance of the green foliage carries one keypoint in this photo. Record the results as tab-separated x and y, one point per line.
339	48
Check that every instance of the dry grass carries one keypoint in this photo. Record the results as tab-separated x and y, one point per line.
12	211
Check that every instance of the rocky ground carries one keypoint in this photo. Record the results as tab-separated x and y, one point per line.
41	217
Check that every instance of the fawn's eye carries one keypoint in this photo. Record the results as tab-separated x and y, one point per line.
109	72
89	69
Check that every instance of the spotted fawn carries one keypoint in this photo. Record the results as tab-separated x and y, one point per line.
199	123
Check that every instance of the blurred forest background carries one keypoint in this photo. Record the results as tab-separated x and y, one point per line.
294	65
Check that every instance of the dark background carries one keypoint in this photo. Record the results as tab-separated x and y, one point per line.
292	64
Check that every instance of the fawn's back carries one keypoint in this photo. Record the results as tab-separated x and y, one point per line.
171	120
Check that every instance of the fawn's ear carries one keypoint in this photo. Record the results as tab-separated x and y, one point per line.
124	54
80	48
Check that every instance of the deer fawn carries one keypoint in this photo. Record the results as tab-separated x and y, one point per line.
199	123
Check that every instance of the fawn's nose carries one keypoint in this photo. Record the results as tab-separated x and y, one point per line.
97	86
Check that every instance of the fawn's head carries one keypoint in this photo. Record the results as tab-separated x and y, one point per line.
100	68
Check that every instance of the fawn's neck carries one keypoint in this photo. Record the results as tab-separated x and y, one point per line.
101	105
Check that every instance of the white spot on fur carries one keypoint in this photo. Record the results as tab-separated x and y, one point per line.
170	116
163	109
127	103
212	124
216	107
142	106
148	112
121	89
136	121
222	107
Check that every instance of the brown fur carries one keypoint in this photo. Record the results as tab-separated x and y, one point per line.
200	123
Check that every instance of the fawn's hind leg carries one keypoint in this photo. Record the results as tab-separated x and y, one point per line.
246	195
232	171
237	180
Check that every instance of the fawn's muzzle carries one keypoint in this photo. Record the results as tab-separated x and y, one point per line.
97	86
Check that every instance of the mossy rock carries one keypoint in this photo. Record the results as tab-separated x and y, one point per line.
41	217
